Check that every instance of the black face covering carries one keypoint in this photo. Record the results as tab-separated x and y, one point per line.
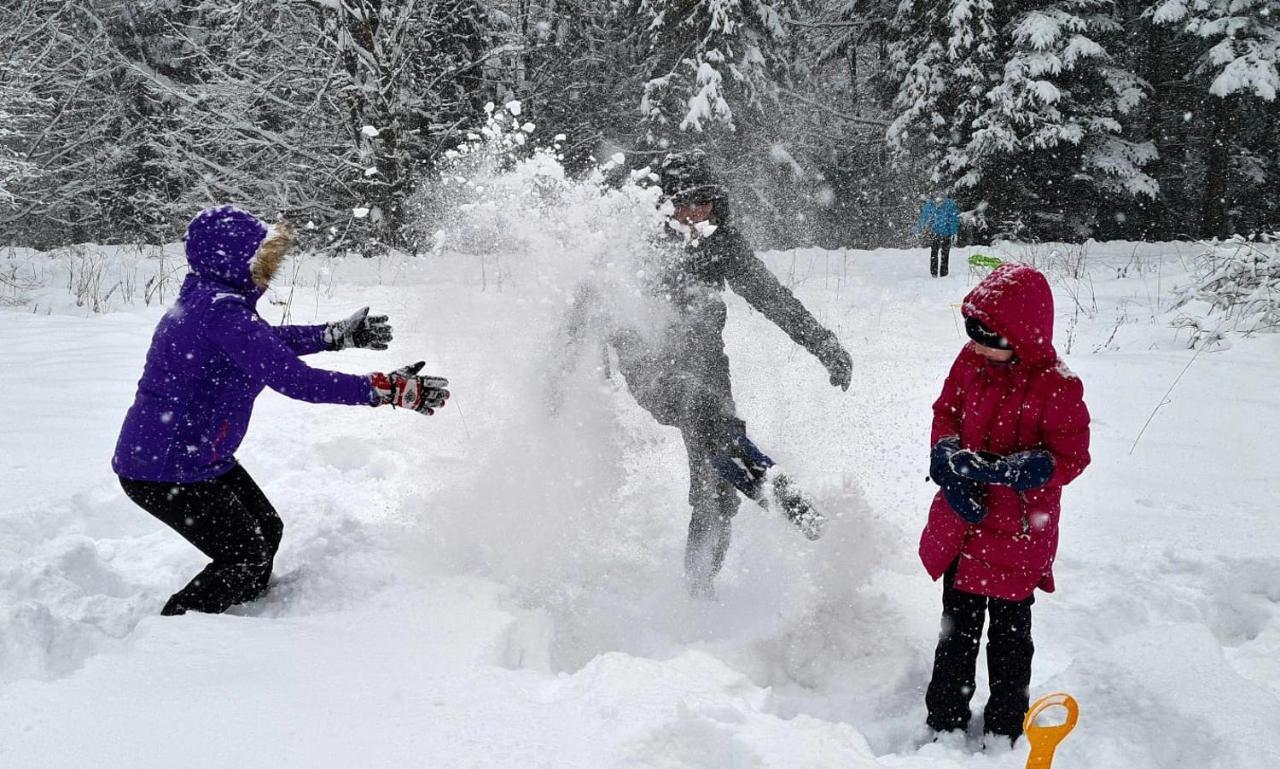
983	335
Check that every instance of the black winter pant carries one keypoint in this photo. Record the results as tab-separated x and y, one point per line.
695	397
230	520
1009	651
939	245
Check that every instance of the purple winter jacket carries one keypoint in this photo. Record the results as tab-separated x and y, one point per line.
211	355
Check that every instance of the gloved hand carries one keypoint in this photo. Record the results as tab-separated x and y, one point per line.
359	330
966	497
940	459
837	362
403	388
1022	471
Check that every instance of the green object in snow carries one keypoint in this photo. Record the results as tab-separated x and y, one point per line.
982	260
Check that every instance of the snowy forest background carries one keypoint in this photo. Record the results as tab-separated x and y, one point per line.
1050	119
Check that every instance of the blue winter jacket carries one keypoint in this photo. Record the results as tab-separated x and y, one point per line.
211	355
939	218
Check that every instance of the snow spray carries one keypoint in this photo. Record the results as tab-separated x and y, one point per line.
1044	740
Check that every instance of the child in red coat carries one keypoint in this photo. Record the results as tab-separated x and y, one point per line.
1009	431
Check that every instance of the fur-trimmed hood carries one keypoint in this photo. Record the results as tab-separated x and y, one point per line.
237	249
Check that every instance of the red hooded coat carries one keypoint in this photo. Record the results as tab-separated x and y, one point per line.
1034	402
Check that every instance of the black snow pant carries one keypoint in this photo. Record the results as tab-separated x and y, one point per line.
1009	651
697	399
230	520
939	245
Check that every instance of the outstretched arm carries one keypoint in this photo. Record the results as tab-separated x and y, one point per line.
303	340
360	329
752	280
257	349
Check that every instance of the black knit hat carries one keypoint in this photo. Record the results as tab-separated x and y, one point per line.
687	178
983	335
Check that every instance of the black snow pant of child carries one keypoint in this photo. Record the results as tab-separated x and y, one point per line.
230	520
939	245
697	399
1009	651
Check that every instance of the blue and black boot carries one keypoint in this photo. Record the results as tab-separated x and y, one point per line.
754	474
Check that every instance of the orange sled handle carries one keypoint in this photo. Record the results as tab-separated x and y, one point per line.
1044	740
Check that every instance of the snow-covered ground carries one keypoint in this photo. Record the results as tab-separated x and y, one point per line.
493	587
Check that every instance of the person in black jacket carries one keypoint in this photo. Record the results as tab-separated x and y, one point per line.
681	377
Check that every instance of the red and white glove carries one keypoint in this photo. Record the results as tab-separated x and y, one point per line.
403	388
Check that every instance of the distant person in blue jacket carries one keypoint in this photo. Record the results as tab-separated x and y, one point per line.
939	222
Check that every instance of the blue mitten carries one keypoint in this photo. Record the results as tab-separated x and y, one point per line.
940	459
1022	471
966	497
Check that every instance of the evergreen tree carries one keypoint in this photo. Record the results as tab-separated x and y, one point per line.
1222	82
715	65
1051	118
838	177
1020	107
717	73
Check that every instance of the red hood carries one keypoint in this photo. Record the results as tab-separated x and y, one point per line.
1016	302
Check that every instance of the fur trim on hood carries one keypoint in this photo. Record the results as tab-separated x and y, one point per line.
270	254
237	249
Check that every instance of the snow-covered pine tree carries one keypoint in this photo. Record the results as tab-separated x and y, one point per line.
946	59
1050	141
1225	74
1019	105
1242	42
832	126
715	64
717	70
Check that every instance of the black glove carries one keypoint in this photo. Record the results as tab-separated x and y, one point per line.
837	362
1022	471
403	388
359	330
966	497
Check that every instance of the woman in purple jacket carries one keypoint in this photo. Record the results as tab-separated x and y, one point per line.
210	356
